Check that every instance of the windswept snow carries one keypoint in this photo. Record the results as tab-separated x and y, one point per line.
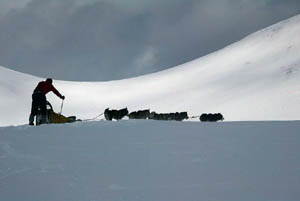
151	161
257	78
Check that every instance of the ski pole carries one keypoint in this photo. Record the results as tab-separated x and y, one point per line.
61	107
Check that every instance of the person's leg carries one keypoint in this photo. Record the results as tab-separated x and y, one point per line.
34	109
43	107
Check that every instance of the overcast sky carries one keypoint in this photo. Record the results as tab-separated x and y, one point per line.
113	39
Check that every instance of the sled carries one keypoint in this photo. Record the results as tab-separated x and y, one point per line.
52	117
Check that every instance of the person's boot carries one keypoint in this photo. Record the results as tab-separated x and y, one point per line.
31	120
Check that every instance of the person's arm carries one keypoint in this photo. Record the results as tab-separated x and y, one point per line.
56	92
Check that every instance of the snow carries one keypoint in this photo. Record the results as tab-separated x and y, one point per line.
242	158
257	78
151	160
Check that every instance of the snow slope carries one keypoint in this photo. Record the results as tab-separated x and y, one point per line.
151	161
256	78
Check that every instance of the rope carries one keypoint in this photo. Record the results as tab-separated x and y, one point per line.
194	117
92	119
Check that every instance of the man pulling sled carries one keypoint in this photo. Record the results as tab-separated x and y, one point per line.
39	104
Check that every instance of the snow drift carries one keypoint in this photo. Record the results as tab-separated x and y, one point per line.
256	78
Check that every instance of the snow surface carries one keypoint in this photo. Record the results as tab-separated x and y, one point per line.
257	78
151	161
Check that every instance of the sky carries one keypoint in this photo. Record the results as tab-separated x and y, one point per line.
100	40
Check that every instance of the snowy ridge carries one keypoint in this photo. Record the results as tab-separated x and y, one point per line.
257	78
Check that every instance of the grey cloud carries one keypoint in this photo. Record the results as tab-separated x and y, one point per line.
111	39
7	5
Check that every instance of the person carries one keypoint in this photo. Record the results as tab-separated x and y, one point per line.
39	99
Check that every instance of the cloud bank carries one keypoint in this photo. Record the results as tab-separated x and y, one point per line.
114	39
